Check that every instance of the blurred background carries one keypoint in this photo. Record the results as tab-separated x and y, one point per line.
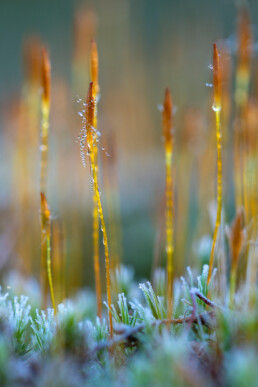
144	46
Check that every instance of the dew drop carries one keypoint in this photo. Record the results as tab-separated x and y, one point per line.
216	108
208	84
98	98
160	107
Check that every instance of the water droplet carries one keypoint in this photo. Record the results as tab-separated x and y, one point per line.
210	67
160	107
208	84
43	148
80	114
98	98
216	108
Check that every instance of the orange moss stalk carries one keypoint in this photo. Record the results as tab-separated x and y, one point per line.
46	231
94	68
168	136
217	109
95	215
45	109
90	112
236	237
244	141
26	148
243	74
85	23
244	58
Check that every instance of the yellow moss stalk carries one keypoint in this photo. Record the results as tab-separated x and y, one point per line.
58	259
217	109
45	109
95	215
112	199
168	137
90	112
46	231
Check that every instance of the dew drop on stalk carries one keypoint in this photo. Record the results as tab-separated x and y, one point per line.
216	108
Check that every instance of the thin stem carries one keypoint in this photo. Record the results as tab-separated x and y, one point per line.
49	273
96	239
44	148
232	285
43	188
217	108
219	192
94	70
169	230
168	137
105	240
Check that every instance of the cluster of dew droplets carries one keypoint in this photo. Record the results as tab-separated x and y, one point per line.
82	138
